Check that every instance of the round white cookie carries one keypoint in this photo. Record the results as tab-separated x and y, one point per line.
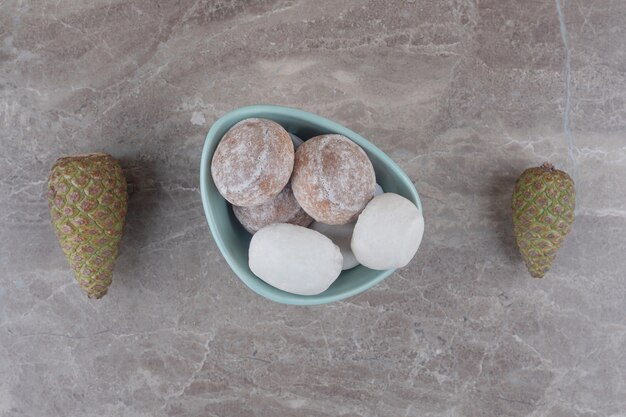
341	235
296	140
388	232
294	259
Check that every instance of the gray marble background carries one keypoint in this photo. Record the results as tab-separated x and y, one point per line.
463	94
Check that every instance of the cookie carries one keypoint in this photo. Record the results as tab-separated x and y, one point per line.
281	209
388	232
333	179
252	162
296	140
341	235
294	259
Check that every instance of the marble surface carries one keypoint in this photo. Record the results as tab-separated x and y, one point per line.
463	94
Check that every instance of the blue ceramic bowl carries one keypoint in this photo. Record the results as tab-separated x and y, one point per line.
233	240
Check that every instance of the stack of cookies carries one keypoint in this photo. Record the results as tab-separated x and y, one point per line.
279	186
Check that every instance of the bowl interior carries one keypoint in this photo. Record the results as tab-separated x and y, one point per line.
233	240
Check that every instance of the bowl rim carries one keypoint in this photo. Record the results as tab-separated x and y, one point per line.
253	111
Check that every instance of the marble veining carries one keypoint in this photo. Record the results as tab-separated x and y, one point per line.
463	94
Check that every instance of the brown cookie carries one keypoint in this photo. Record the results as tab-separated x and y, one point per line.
281	209
252	162
333	179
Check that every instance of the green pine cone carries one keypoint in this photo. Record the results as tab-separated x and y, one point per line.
543	213
88	202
